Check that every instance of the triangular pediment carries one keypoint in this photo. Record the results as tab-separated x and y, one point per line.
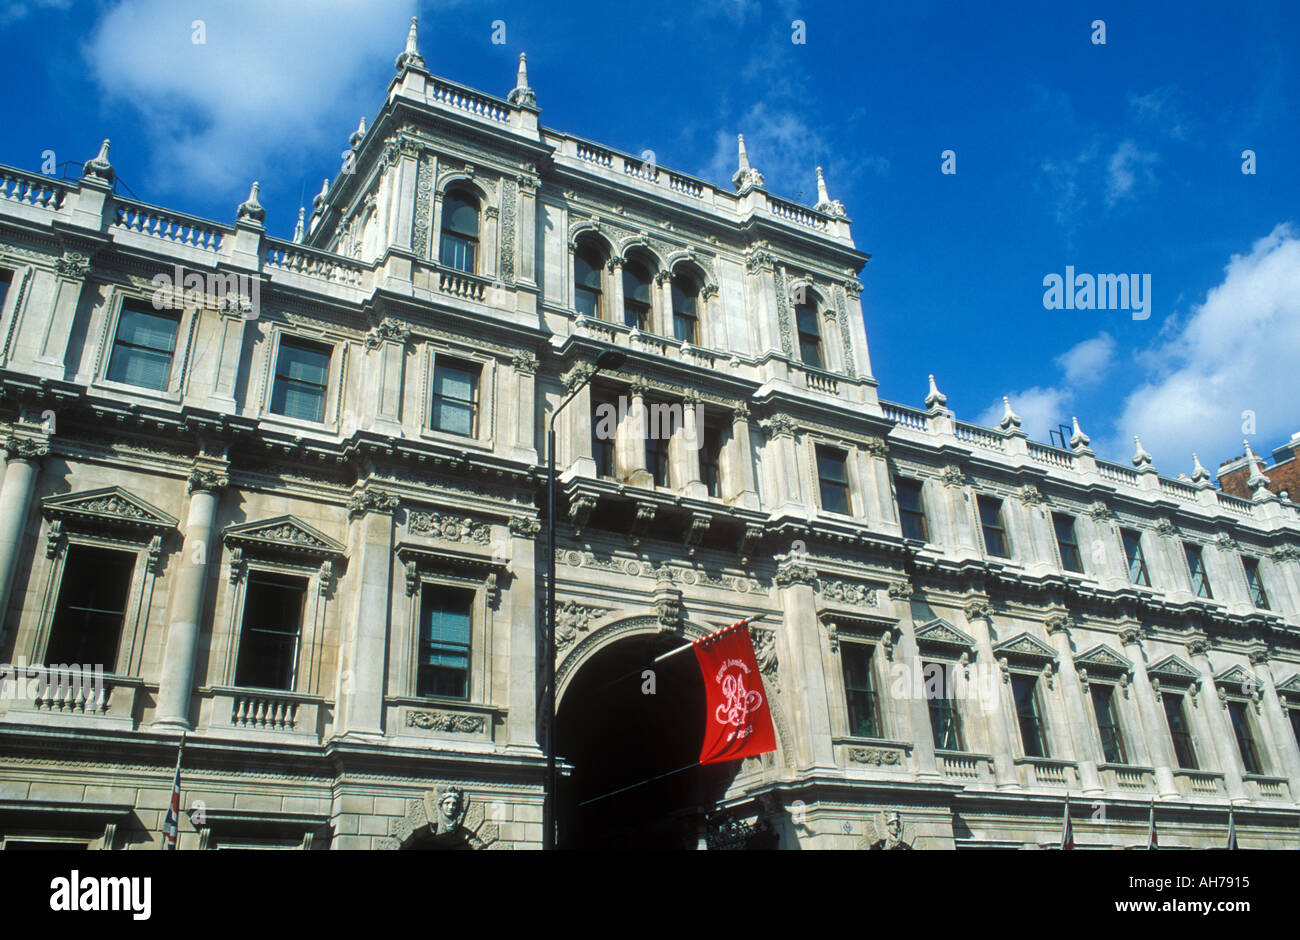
1238	677
284	534
1025	646
1101	658
1290	686
109	505
1171	667
941	633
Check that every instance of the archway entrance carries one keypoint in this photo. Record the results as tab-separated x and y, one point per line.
616	735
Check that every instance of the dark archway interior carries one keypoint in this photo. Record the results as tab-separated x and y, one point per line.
616	735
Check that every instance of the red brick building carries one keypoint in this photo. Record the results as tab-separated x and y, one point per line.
1283	474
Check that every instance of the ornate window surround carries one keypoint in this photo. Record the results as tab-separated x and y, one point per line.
338	348
283	545
110	315
108	517
844	630
485	420
489	208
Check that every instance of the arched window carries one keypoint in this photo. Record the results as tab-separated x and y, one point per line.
459	247
810	339
587	297
636	295
686	316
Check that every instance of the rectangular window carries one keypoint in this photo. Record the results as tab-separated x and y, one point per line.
944	720
143	347
443	664
1196	566
301	374
656	442
1255	583
455	397
1067	542
6	279
860	690
833	478
604	427
1137	563
91	608
711	459
911	510
268	640
1028	714
1244	731
1294	715
684	327
995	533
1179	731
1112	738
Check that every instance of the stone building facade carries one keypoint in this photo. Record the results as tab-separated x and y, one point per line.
286	495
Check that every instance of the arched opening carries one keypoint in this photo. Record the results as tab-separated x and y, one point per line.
588	282
615	735
459	245
636	294
810	339
686	313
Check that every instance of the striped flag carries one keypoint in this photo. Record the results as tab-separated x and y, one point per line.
1067	830
1151	828
1232	830
172	824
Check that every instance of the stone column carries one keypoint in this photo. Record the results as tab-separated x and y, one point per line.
22	463
1223	740
1158	739
959	515
386	366
73	270
365	649
526	230
573	456
737	465
1283	565
614	296
524	426
684	449
877	488
1284	739
176	684
521	729
1076	712
806	692
979	617
917	706
629	441
661	320
783	462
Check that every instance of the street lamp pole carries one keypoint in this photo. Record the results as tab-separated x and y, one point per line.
610	359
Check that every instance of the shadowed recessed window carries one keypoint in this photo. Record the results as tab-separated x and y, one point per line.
1112	737
636	295
301	376
1244	731
911	510
833	478
1137	563
810	337
143	348
1179	731
995	532
711	458
587	292
1196	567
1029	715
455	397
268	641
459	245
443	664
1255	583
860	690
945	723
91	607
686	314
1067	542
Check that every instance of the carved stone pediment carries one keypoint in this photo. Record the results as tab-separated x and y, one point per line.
940	633
1291	686
1237	678
1101	659
283	534
1173	669
1027	648
111	506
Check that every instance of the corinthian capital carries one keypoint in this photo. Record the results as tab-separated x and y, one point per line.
978	608
205	481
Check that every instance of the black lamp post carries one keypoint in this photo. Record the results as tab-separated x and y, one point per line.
610	359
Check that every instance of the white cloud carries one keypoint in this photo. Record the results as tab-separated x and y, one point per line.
17	11
1043	408
1087	362
1235	352
270	81
1129	170
1156	108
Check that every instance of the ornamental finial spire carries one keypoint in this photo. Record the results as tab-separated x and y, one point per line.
359	134
1009	418
410	57
824	201
318	201
935	397
98	167
1199	473
1078	440
1141	458
300	229
250	210
522	96
745	177
1257	482
822	194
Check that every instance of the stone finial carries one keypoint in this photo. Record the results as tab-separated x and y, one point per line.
410	57
358	135
1078	440
745	177
1199	473
1257	482
1009	418
522	96
1141	459
318	201
300	229
98	167
824	201
936	398
250	210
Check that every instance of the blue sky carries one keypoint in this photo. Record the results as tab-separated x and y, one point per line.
1115	158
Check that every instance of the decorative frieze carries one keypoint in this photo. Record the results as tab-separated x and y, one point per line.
953	476
450	528
791	572
388	330
370	500
447	722
525	527
848	592
572	620
877	756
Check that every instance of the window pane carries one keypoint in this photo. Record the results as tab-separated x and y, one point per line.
1196	566
1257	595
684	328
142	351
864	719
833	477
636	283
684	295
268	644
442	666
1244	731
944	721
91	608
459	216
910	512
1178	730
1031	736
806	318
301	373
1066	542
710	458
1112	741
995	541
1137	567
148	329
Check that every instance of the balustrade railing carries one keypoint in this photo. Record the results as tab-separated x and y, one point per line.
30	189
462	99
312	262
171	227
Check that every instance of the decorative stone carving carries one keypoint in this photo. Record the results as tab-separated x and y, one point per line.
371	500
1198	645
572	620
1226	543
24	448
250	210
779	425
832	634
509	194
1100	512
525	527
525	362
1060	623
98	167
848	592
791	572
900	590
953	476
877	756
580	372
1130	636
846	338
205	481
759	259
448	722
1287	553
876	447
783	312
450	528
283	533
580	507
765	655
978	608
389	329
424	186
1165	528
891	839
1030	496
73	264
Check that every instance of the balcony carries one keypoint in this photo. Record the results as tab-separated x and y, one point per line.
1267	789
966	768
262	713
67	698
1126	778
1046	772
1197	783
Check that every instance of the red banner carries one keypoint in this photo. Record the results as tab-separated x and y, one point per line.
737	721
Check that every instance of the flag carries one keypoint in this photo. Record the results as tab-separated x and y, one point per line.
172	824
1067	830
737	721
1151	828
1232	830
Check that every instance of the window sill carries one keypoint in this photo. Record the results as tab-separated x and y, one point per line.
484	445
165	396
295	425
